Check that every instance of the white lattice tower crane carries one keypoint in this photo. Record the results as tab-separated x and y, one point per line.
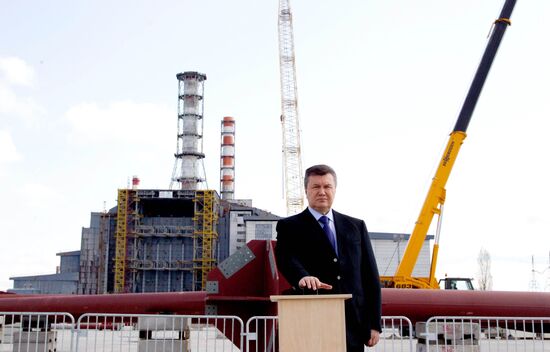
292	158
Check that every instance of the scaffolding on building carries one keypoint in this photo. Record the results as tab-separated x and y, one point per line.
205	236
165	240
127	220
121	236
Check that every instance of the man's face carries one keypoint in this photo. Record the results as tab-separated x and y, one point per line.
320	192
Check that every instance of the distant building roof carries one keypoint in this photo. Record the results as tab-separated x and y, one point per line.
49	277
253	210
393	236
68	253
262	217
24	291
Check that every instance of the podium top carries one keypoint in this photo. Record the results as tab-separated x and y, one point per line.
309	297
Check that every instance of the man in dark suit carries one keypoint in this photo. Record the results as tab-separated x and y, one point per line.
322	250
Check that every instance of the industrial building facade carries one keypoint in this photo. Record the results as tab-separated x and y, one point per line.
389	248
153	241
64	281
168	241
164	240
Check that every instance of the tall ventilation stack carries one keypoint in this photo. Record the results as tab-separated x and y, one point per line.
227	156
189	167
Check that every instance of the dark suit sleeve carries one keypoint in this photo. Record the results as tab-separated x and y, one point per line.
371	281
285	253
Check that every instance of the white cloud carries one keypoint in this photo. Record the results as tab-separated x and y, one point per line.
124	121
10	104
8	151
16	71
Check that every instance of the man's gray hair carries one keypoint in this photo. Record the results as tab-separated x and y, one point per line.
319	170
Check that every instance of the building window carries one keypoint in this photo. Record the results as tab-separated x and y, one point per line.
264	231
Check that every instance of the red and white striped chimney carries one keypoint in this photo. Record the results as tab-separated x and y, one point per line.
227	158
135	182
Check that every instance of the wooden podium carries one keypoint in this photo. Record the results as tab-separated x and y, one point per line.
312	323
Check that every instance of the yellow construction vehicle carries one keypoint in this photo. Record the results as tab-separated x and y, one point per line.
433	204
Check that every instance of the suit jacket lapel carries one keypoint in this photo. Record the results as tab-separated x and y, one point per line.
342	229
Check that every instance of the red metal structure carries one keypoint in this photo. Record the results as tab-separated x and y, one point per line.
243	283
242	286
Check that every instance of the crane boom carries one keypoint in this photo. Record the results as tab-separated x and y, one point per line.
292	158
436	195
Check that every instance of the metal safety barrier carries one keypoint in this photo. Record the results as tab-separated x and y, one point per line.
36	332
58	332
261	334
158	333
475	334
397	335
397	331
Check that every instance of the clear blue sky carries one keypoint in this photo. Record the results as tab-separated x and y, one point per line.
88	98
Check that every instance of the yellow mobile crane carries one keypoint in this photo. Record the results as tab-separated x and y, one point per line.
433	204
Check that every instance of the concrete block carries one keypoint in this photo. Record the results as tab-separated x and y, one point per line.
162	323
8	331
447	331
34	337
164	346
420	347
33	347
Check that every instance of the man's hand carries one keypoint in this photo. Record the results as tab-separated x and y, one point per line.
374	338
313	283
